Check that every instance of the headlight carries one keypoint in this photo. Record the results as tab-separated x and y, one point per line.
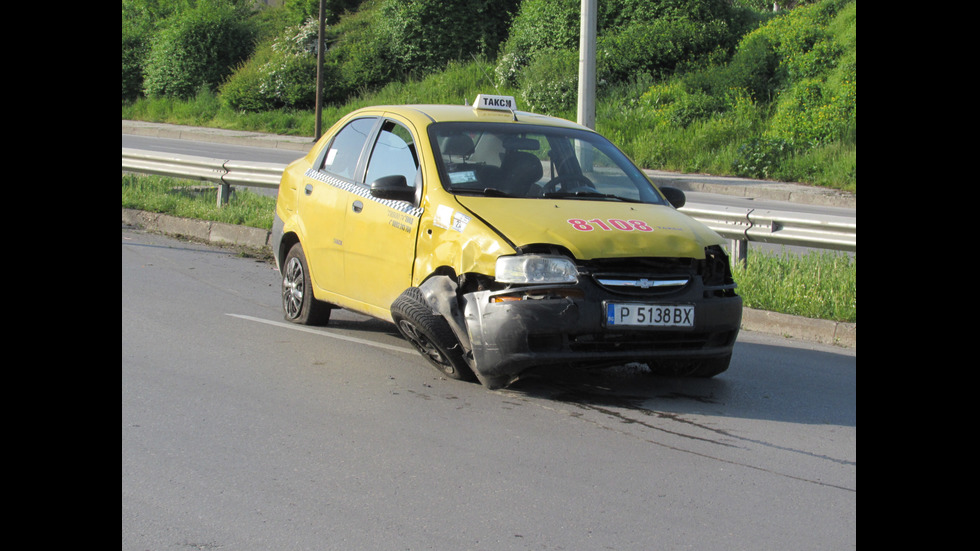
532	268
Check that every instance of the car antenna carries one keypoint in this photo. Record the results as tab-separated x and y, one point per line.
492	83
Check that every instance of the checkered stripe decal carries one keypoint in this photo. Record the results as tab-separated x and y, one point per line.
364	193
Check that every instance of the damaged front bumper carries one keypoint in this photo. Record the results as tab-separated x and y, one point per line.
514	330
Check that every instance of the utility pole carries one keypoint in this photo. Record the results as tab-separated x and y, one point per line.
586	65
319	72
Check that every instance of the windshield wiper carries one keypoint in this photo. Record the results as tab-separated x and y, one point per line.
488	192
587	195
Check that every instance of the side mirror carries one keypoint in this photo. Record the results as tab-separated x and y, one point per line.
393	187
675	196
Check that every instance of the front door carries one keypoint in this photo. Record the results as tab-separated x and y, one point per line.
324	200
379	235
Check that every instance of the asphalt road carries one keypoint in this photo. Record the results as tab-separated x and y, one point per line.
242	432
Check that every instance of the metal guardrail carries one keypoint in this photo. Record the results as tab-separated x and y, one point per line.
737	224
779	227
224	173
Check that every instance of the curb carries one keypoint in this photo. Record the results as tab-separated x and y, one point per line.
835	333
218	233
215	233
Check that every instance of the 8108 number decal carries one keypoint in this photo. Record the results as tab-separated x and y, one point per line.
609	225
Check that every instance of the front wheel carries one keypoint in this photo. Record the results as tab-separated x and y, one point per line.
430	334
298	303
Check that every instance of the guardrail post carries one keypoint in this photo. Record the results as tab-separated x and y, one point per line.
740	253
224	193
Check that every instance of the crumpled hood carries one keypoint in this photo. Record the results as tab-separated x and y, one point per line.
595	229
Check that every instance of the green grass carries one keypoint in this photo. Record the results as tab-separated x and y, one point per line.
198	200
819	285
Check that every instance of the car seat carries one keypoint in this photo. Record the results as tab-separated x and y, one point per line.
519	171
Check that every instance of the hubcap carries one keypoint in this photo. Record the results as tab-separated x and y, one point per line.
292	288
424	345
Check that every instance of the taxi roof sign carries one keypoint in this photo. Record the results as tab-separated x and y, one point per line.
495	103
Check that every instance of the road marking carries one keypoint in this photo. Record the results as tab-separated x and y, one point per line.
325	334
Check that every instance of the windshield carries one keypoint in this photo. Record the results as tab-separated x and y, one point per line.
508	160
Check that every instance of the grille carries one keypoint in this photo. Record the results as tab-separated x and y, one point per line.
642	276
624	284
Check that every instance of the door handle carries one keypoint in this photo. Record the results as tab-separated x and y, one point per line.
309	189
357	206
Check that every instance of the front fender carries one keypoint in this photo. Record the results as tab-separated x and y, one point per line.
441	294
455	238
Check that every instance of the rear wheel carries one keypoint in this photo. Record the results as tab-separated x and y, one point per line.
298	303
705	368
430	334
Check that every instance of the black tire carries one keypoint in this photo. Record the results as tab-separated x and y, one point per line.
705	368
430	334
298	303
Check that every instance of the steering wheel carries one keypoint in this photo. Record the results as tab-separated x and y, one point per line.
566	183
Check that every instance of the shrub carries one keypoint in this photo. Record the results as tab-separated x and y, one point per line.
302	10
672	104
540	25
653	37
800	67
424	35
244	91
365	61
200	47
806	41
816	112
753	68
282	74
819	52
138	20
761	157
550	84
134	50
625	12
658	48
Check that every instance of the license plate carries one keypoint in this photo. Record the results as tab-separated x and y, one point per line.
649	315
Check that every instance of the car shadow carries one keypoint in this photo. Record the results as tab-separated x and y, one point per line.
763	382
781	383
346	320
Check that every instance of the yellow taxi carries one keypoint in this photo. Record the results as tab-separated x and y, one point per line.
498	241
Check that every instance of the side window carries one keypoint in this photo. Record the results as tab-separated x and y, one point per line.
345	149
394	153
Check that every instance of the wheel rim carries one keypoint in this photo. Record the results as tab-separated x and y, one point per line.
292	288
425	346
